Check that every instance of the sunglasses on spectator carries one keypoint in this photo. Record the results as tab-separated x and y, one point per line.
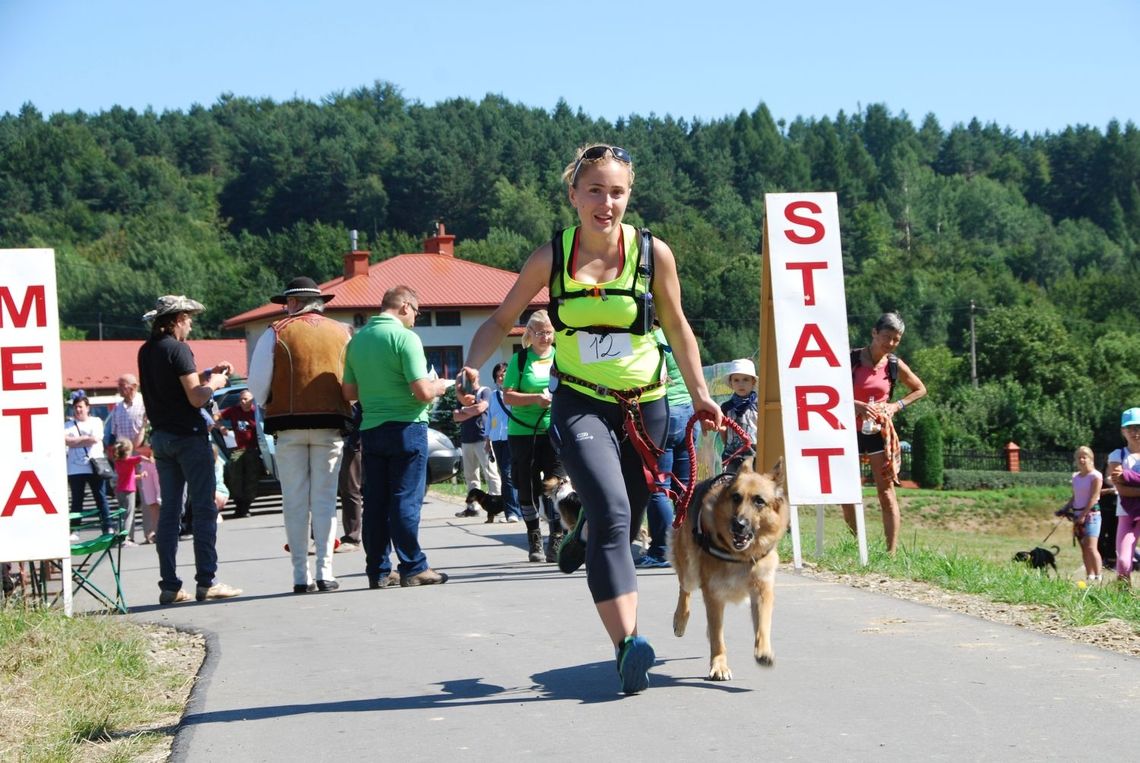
596	153
414	308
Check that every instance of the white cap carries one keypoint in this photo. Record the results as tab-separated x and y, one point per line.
743	366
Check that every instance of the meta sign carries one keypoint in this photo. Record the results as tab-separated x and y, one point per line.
813	356
33	469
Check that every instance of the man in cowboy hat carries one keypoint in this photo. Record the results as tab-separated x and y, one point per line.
173	394
295	375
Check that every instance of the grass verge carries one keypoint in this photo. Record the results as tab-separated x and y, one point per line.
89	688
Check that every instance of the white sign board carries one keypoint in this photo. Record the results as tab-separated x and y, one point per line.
812	352
33	459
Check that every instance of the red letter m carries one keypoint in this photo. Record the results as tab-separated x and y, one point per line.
33	297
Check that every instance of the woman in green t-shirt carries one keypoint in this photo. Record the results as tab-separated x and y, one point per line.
533	458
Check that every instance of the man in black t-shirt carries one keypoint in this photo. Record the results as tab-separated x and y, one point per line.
173	393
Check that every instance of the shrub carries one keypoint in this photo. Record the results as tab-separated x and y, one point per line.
926	457
968	479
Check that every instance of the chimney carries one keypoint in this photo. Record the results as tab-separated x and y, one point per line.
440	243
355	262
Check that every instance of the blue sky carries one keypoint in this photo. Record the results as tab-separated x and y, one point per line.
1031	66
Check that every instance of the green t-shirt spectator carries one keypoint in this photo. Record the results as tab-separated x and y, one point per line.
383	358
535	378
678	393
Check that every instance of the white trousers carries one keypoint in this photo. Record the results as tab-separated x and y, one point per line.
477	461
308	465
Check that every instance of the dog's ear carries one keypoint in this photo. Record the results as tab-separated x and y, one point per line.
746	466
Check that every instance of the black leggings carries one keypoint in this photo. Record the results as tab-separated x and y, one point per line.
533	459
607	474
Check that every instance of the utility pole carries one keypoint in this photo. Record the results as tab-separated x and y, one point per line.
973	350
100	325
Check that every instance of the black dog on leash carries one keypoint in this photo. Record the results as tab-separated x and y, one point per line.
1039	558
492	504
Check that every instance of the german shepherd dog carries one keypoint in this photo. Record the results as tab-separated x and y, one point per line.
1039	558
727	549
492	504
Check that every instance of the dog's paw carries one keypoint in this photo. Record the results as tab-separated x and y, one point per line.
680	622
490	520
766	660
719	670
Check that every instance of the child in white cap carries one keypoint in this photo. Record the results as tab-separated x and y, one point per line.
741	408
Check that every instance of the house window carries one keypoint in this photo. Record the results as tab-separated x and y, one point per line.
446	360
423	318
447	317
359	320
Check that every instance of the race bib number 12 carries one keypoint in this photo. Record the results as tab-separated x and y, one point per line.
594	348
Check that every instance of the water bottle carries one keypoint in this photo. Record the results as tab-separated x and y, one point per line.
870	426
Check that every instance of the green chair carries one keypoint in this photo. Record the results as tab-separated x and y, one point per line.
89	555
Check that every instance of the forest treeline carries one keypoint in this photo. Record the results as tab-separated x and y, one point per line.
1034	236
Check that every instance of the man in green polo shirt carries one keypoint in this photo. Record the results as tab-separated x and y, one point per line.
385	369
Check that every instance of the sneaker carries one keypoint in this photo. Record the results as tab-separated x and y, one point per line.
303	588
552	544
73	538
347	547
572	550
512	518
427	577
388	581
129	543
216	591
470	511
635	657
173	597
327	585
647	562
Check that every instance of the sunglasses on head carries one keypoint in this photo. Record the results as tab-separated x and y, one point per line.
595	153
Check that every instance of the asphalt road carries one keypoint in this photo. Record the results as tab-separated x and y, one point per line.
508	660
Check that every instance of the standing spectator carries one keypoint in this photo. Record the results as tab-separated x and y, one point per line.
1087	482
533	455
350	486
245	460
740	408
126	479
296	371
609	370
128	418
1128	495
498	414
387	372
874	370
148	494
83	435
174	395
478	460
673	465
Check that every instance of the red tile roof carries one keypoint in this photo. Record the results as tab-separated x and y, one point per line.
442	282
98	365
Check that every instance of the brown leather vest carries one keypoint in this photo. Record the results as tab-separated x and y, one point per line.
308	365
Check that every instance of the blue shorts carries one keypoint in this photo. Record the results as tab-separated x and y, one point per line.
1092	525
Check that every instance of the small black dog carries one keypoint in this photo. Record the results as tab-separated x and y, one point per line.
1039	558
492	504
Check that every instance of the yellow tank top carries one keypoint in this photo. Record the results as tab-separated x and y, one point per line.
618	360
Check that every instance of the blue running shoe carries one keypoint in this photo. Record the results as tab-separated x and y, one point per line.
635	657
647	562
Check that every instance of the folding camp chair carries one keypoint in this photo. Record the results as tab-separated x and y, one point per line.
89	555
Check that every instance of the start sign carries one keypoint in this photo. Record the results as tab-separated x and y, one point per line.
805	265
33	468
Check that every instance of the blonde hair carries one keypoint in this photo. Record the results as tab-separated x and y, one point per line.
578	162
123	448
537	318
1084	450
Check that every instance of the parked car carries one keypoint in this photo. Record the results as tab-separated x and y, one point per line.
444	459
